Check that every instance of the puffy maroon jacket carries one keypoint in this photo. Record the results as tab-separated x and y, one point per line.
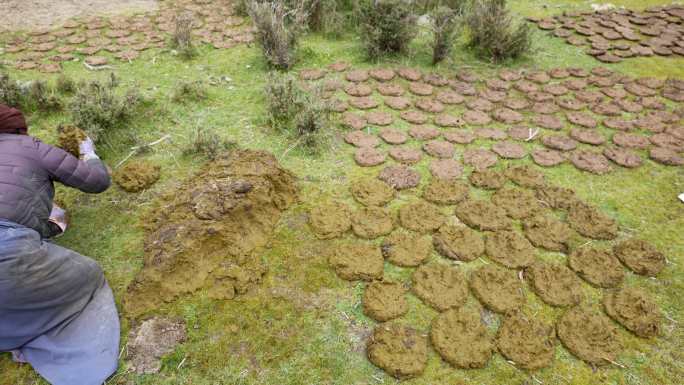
28	168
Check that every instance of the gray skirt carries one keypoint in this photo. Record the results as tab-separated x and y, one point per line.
56	309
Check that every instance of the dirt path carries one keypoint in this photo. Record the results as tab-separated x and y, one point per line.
31	14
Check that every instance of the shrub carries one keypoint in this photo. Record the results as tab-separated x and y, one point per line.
493	32
189	91
299	113
387	26
96	107
206	142
40	96
65	84
181	39
10	92
277	31
444	22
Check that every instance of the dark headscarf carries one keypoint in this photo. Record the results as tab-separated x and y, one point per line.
12	121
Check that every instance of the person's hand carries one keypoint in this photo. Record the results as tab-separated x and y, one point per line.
58	216
87	149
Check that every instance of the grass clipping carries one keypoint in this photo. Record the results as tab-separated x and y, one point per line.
207	234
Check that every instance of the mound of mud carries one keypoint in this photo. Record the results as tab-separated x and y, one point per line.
421	216
445	192
461	339
529	343
208	232
371	222
357	261
589	335
488	179
406	249
69	138
399	350
384	300
510	249
498	289
591	223
635	310
597	266
525	176
557	197
460	243
330	220
137	176
150	341
518	203
547	232
555	284
440	286
482	215
372	192
640	257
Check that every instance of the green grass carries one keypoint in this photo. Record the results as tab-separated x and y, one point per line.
303	325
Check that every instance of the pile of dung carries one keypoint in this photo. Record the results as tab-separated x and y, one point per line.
330	220
137	176
372	192
518	203
510	249
459	243
592	223
421	217
384	300
445	192
633	309
497	288
357	261
482	215
406	249
150	341
589	335
526	176
488	179
461	339
640	257
555	284
372	222
557	197
209	232
599	267
69	139
399	350
529	343
440	286
547	232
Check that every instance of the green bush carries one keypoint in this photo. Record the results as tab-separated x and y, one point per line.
278	29
65	84
206	142
10	92
493	32
97	108
444	23
41	97
299	113
387	26
189	91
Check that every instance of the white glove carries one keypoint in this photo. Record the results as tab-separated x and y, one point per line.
58	216
87	149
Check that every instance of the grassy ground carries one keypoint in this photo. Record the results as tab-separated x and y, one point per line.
304	325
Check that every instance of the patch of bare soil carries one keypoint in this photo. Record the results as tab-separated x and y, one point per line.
371	222
510	249
330	220
372	192
150	341
69	139
555	284
445	192
529	343
399	350
640	256
440	286
136	176
497	288
547	232
597	266
20	14
482	215
635	310
459	243
461	339
209	231
589	335
406	249
590	222
384	300
356	260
